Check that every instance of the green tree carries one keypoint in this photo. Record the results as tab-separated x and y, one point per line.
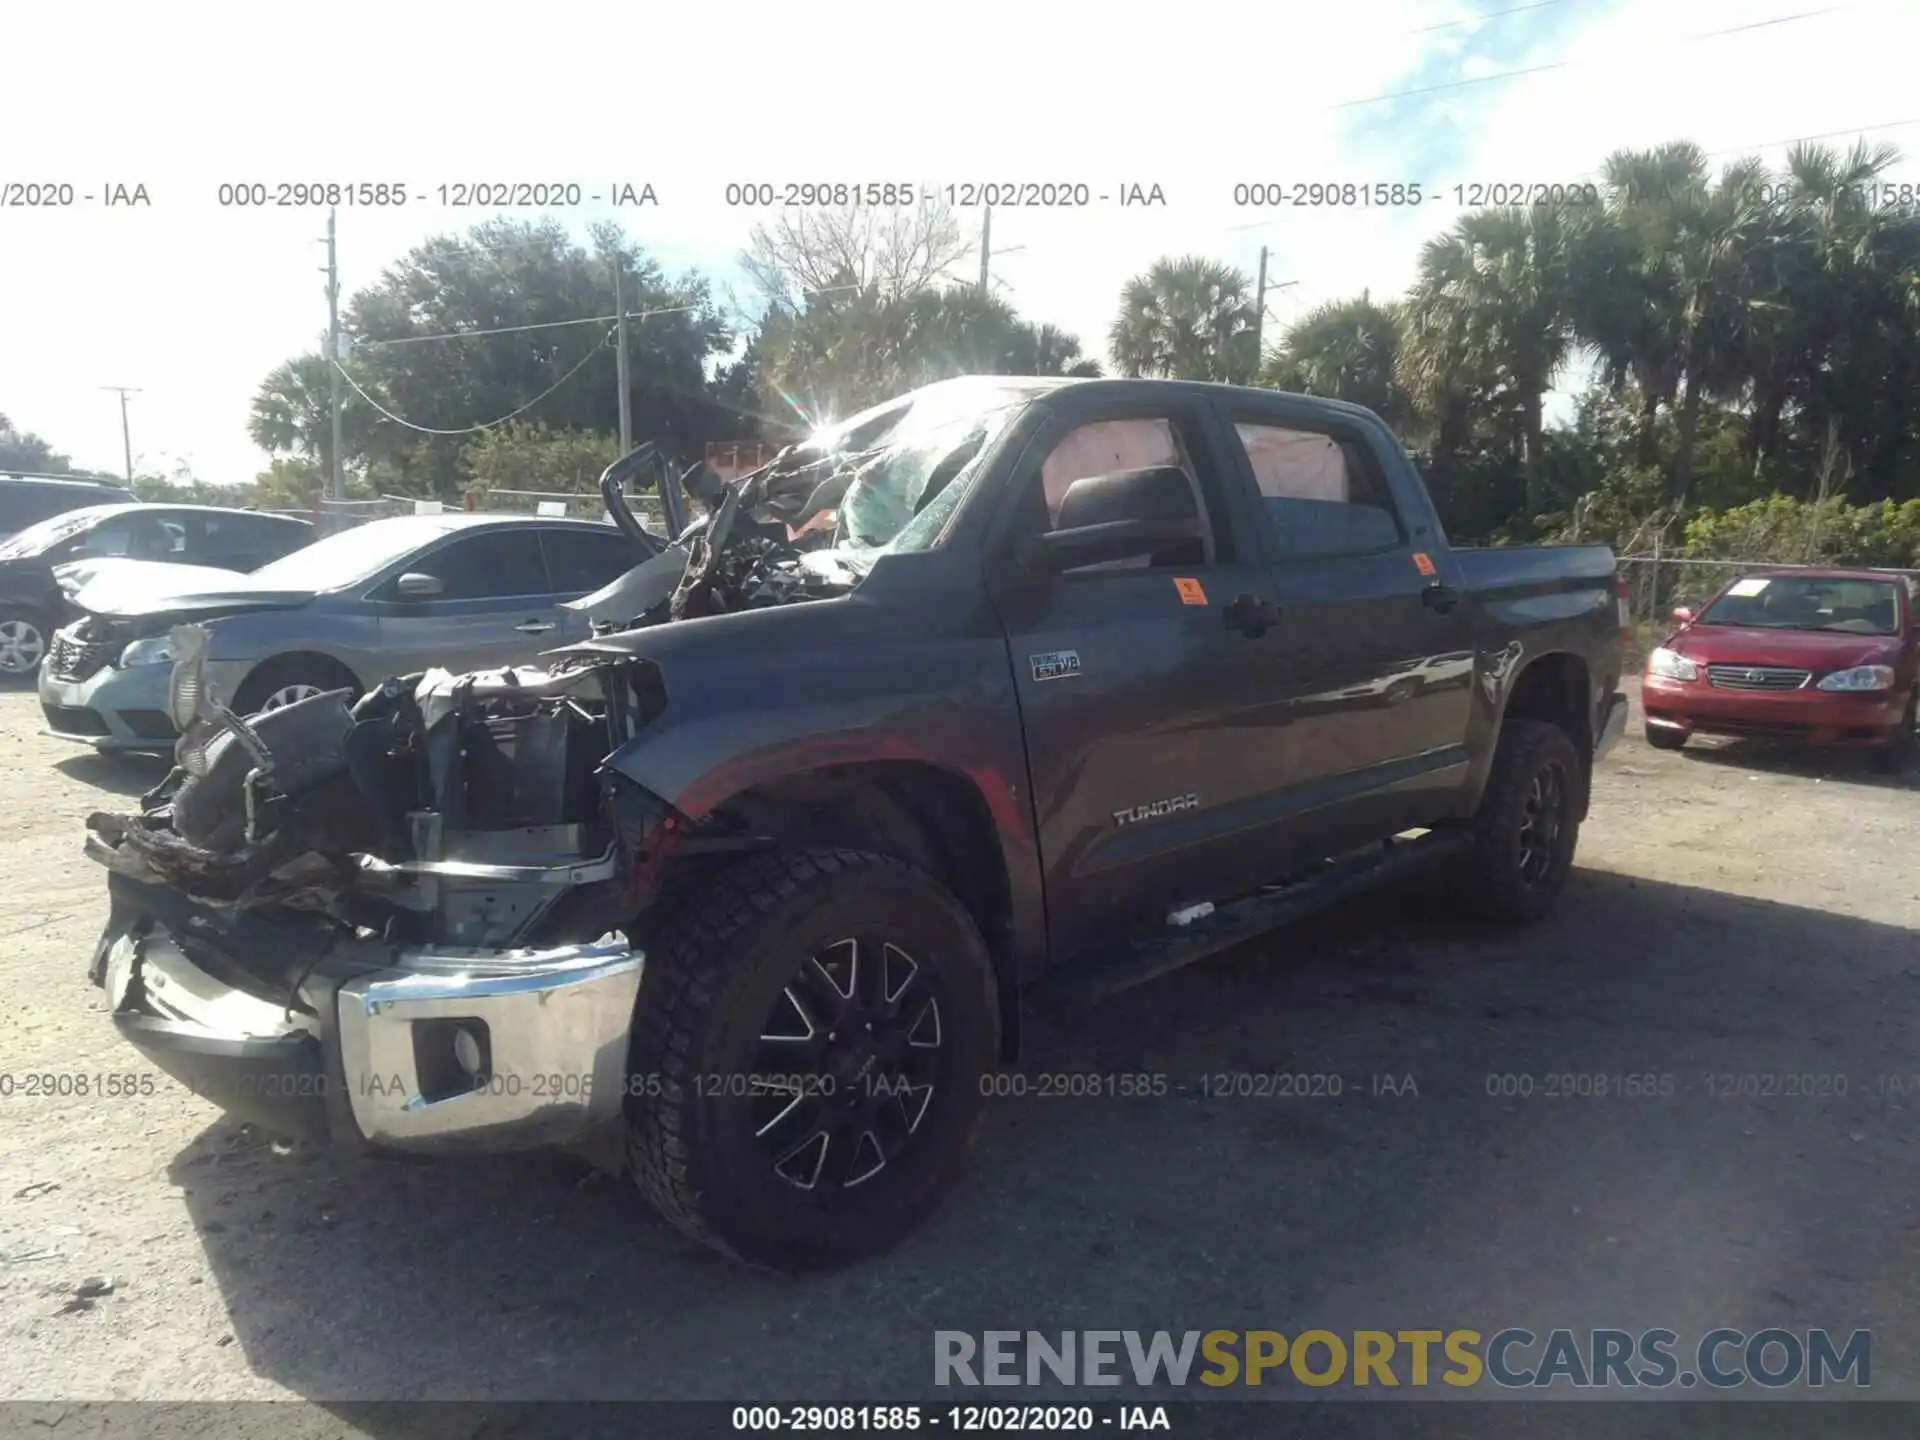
291	414
443	342
527	455
1346	350
1186	319
23	450
290	482
844	352
1494	307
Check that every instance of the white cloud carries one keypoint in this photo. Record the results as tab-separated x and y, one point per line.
195	303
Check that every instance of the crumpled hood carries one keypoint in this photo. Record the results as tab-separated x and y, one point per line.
199	592
108	576
1790	649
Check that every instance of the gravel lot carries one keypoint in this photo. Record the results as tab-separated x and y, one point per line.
1735	912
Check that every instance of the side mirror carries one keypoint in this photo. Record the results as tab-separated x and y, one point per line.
1117	517
1682	615
1058	550
415	586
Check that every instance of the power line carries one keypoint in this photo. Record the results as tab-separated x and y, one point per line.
1488	15
1808	139
516	329
487	425
1573	64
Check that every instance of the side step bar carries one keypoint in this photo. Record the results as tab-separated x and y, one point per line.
1085	982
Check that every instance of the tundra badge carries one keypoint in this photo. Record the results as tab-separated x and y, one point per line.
1154	811
1055	664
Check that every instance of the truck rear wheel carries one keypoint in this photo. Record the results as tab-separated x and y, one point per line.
809	1049
1526	828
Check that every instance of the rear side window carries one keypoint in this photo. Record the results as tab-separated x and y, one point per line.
23	503
1320	495
581	561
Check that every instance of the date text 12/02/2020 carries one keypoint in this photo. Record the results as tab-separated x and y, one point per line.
1397	194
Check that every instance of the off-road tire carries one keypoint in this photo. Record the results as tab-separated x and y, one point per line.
1661	738
1489	881
714	969
1896	756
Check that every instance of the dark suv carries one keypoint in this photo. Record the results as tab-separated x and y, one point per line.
31	601
28	499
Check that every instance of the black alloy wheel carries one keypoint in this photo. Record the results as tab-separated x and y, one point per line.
848	1064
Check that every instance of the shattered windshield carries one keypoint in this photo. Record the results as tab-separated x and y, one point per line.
907	463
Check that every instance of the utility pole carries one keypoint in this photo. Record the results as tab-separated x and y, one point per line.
620	355
335	488
1260	310
126	435
986	244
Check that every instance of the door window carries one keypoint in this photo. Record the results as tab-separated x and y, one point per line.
1105	446
581	561
1320	496
493	565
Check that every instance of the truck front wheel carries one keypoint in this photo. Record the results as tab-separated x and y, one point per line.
810	1052
1527	825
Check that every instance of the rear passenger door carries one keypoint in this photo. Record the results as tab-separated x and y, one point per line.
1378	668
496	606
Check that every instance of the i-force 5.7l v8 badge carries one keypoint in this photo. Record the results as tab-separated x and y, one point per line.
1055	664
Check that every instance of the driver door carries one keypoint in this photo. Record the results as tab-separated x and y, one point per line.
1143	699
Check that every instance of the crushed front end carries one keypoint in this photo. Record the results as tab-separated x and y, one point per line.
404	924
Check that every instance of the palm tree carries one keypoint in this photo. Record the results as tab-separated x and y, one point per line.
1345	350
1843	354
1724	238
1629	309
1186	319
289	413
1055	352
1495	303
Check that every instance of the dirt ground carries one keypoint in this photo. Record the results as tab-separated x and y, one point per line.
1735	912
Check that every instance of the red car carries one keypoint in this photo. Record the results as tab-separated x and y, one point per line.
1827	657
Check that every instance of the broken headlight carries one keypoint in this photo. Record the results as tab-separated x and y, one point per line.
187	689
150	651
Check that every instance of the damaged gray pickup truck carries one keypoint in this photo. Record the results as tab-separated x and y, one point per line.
1005	692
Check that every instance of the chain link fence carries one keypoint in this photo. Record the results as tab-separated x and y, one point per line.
331	516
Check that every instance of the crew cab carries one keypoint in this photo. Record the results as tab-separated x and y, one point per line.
1082	680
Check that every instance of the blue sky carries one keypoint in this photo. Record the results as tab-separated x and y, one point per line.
194	303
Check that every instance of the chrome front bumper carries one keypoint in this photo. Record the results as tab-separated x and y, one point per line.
545	1045
547	1027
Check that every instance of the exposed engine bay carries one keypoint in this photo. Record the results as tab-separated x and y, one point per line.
475	810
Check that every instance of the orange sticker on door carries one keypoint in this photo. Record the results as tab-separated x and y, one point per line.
1190	591
1423	563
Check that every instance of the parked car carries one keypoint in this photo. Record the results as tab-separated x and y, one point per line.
38	566
1078	688
1820	657
345	612
28	499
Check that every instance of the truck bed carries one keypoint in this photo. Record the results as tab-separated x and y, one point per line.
1510	571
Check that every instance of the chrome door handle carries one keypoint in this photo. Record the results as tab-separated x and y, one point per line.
534	627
